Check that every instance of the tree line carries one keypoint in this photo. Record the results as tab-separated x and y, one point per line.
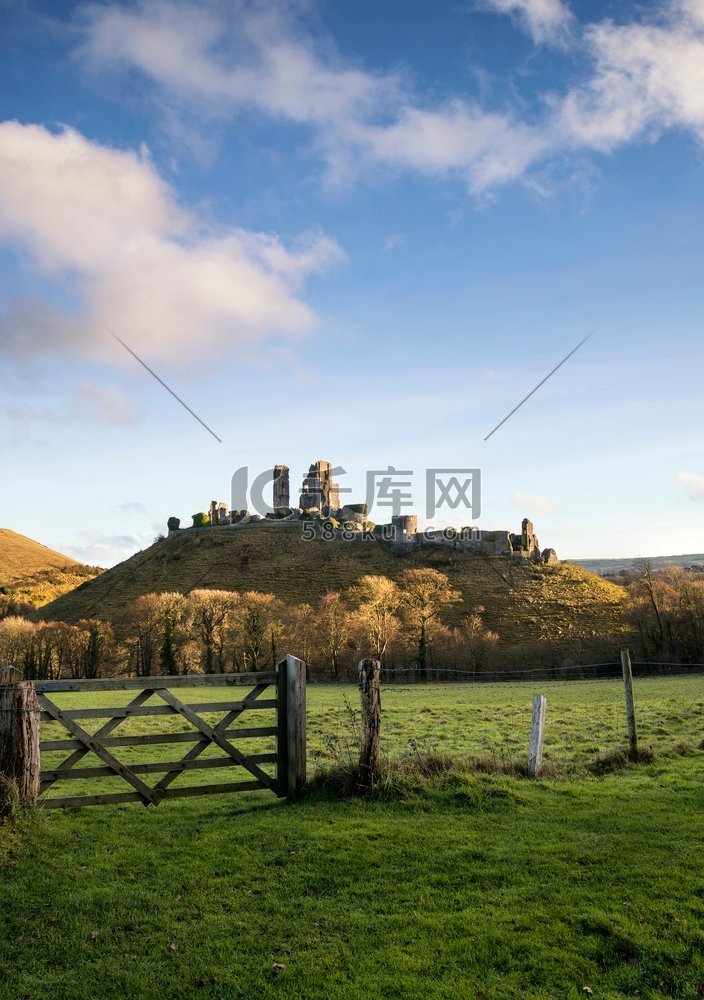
218	631
405	623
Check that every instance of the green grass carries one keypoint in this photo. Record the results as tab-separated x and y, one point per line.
467	884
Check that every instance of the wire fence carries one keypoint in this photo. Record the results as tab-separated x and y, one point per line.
579	671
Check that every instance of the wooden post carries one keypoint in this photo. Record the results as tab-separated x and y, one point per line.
369	672
630	704
291	726
19	742
537	736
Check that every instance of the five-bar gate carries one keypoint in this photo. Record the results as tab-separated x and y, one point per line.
282	690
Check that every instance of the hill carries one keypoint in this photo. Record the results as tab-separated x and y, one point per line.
612	567
31	573
524	602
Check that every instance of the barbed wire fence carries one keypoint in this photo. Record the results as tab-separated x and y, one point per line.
604	715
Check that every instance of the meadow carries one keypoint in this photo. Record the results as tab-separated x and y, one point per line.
464	882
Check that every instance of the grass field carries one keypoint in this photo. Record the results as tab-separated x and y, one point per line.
465	884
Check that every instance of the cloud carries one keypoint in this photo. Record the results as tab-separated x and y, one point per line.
533	502
220	60
648	77
233	59
132	507
100	549
394	242
695	485
103	222
547	21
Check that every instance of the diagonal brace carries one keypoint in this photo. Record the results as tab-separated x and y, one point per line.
94	746
216	737
104	730
224	724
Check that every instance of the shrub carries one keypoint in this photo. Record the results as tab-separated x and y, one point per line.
200	520
174	523
357	508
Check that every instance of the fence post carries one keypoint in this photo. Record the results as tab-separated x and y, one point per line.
630	704
537	736
20	764
369	672
290	726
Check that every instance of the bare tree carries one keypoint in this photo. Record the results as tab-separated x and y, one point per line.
377	600
425	593
334	625
210	612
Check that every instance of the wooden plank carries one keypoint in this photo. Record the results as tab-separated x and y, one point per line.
155	767
152	683
537	736
222	726
128	712
216	737
98	749
72	801
184	791
630	703
76	801
158	738
80	750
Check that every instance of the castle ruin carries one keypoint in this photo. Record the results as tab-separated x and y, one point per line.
319	499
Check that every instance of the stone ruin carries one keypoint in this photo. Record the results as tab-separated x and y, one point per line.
320	498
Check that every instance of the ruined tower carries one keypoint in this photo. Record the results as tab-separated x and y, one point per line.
405	527
319	490
281	487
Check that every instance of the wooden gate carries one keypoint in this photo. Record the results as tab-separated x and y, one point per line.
282	691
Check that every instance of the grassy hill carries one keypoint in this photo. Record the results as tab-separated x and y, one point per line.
31	573
523	602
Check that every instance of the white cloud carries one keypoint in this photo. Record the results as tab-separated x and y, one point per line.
534	503
648	77
235	58
695	485
221	59
394	242
97	548
547	21
105	220
132	507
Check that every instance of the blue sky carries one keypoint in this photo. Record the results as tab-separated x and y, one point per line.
360	232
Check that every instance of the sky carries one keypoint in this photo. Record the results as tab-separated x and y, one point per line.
359	232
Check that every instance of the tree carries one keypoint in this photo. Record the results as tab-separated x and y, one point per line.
377	599
425	593
210	612
97	638
144	618
333	620
257	614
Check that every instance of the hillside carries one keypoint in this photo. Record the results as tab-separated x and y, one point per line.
523	602
31	573
612	567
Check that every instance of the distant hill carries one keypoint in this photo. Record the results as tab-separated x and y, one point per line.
31	573
522	601
611	567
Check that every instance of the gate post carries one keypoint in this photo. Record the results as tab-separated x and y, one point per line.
290	725
20	764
